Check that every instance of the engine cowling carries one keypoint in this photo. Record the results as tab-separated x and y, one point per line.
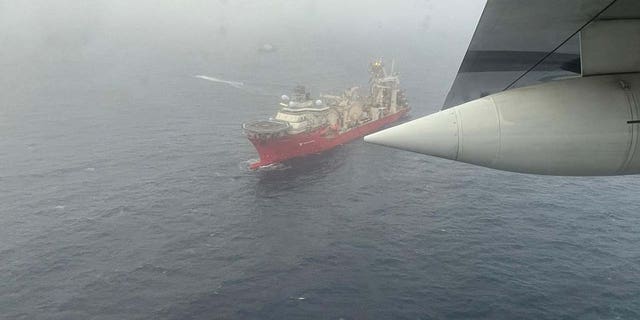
583	126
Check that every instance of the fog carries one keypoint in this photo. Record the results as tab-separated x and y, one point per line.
89	41
65	25
125	191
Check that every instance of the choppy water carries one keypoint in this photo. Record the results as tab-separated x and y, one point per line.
125	194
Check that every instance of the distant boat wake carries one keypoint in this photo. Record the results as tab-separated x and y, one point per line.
235	84
262	89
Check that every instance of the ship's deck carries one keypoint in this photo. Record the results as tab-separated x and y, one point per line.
266	126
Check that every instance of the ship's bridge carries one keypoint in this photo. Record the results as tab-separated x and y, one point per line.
306	106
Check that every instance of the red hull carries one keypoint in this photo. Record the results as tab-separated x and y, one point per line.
292	146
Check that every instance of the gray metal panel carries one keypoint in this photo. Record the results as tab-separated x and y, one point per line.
611	46
533	26
484	61
622	9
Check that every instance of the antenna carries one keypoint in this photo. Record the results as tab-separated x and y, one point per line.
384	71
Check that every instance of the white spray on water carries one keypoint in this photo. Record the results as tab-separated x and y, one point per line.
235	84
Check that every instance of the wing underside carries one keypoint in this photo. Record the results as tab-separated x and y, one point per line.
524	42
582	122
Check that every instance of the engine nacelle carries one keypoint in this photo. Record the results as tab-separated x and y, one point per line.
582	126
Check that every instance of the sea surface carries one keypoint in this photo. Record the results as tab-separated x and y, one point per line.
125	193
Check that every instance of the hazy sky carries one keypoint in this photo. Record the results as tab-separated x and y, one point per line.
29	26
45	40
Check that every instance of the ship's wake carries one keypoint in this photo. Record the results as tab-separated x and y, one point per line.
235	84
273	167
267	168
270	89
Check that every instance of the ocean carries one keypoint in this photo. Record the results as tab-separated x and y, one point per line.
125	193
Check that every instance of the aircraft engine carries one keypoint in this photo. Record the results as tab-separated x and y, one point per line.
583	126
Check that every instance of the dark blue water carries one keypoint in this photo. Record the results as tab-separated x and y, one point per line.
125	194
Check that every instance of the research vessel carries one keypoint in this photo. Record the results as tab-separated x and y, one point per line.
306	126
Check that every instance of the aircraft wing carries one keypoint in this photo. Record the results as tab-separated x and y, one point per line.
584	122
512	36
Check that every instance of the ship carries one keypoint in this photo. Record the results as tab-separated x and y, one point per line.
304	125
